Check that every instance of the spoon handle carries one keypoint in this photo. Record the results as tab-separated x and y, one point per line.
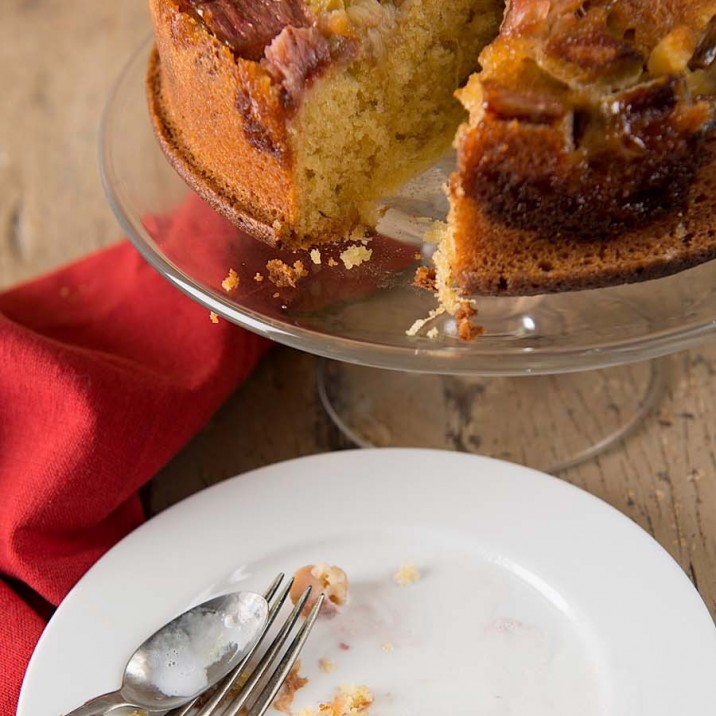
100	705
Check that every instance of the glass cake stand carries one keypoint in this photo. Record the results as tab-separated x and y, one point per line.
554	380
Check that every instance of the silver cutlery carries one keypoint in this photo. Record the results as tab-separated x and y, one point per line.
209	651
251	687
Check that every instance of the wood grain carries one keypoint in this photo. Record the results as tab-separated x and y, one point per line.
59	58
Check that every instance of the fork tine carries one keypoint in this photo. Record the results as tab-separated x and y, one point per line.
276	606
230	680
258	673
268	594
279	675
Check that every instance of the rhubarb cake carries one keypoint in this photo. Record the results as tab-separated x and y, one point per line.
587	159
293	117
583	131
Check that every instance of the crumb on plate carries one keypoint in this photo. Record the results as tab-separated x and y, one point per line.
284	276
326	666
355	255
316	256
408	574
231	282
425	278
214	317
259	277
294	682
466	329
348	701
332	262
388	647
421	322
323	579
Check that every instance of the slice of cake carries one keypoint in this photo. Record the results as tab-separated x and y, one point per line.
293	117
586	160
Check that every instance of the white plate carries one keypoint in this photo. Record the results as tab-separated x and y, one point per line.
535	597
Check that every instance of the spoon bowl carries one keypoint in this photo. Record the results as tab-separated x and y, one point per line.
187	656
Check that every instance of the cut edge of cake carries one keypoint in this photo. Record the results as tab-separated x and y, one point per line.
475	257
299	161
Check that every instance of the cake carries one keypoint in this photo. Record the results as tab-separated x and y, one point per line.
584	139
293	117
323	579
587	159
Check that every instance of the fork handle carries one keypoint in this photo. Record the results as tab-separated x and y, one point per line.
100	705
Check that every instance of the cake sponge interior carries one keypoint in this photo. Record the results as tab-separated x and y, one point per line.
364	130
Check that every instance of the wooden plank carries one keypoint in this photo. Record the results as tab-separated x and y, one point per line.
59	60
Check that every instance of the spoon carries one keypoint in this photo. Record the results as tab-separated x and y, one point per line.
187	656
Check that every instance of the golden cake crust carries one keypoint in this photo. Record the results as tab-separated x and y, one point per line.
223	124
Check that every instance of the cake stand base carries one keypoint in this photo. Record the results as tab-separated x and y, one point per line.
518	419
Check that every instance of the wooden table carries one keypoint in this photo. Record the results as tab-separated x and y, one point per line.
59	58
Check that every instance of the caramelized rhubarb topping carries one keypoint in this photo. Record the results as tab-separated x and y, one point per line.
298	55
248	26
587	115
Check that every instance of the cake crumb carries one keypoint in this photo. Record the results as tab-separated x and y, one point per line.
347	701
418	256
360	234
343	646
433	334
352	700
332	262
387	647
214	317
355	255
326	666
322	578
426	278
294	681
466	329
421	322
284	276
231	282
408	574
316	256
259	277
276	295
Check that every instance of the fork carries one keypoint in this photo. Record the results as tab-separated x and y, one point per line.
263	681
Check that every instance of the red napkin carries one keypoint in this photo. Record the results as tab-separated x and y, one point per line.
106	372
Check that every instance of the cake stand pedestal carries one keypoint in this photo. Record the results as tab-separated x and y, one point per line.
519	419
